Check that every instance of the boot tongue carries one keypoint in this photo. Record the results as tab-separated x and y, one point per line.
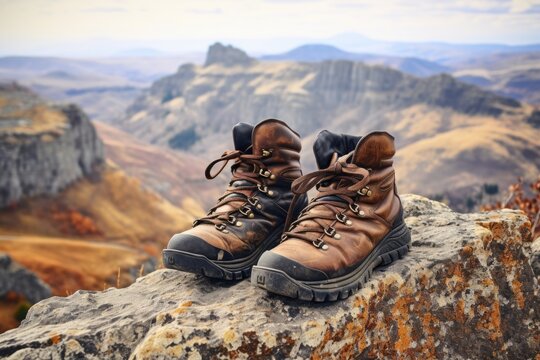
374	151
328	143
242	136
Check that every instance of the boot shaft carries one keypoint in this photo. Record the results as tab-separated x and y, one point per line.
278	145
373	152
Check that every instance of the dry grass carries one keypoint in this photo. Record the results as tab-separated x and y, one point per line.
42	118
177	176
68	265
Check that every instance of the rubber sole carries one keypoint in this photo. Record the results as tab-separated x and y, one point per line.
237	269
392	247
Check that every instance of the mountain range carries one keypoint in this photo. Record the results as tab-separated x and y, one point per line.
321	52
452	136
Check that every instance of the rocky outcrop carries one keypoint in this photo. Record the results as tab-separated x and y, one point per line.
42	148
227	56
16	279
466	290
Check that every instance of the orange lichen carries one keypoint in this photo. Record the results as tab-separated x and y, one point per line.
401	313
467	251
182	308
490	320
518	293
55	339
460	311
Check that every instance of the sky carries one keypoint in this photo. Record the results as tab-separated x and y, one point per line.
101	27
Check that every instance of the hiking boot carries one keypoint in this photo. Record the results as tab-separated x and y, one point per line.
249	218
353	224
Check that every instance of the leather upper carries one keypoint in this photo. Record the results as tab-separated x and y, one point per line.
359	188
256	202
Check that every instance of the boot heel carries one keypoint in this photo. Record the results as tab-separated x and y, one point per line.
395	245
390	257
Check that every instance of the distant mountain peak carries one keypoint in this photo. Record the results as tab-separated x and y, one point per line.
227	56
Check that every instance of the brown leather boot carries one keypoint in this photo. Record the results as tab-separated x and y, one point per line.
249	218
354	223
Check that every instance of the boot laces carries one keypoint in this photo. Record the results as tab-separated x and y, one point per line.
248	175
339	186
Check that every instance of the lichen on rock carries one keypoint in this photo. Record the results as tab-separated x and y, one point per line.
466	290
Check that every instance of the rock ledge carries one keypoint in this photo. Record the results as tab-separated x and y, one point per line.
466	290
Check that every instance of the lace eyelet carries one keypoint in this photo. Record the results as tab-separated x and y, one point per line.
262	188
231	219
222	228
355	209
365	191
246	211
342	218
253	201
320	244
265	173
330	231
266	153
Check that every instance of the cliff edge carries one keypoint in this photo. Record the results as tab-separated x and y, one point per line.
43	148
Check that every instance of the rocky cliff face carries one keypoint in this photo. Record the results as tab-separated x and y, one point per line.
42	148
466	290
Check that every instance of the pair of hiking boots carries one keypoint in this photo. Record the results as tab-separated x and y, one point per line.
321	250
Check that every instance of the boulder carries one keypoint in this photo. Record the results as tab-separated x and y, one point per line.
16	279
466	290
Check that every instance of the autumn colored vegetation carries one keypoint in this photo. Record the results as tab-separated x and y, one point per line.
522	196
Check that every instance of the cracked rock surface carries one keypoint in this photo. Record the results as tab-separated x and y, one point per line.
467	289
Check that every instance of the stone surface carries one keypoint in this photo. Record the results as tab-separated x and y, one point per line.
466	290
43	148
15	278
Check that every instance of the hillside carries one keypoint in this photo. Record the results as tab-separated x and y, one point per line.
514	75
176	176
451	136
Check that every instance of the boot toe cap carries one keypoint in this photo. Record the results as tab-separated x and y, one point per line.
195	245
292	268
